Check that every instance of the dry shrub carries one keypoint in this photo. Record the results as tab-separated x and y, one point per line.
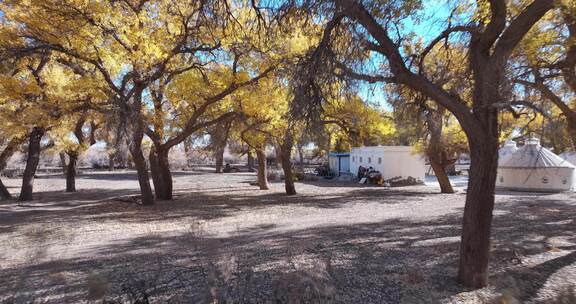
97	286
301	287
307	283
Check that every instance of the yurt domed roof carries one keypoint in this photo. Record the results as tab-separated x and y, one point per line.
508	148
510	144
569	156
533	155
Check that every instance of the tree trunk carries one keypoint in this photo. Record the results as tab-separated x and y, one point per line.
143	177
8	151
435	151
286	160
4	193
31	164
136	150
161	175
71	172
111	161
475	243
219	156
250	161
262	170
441	176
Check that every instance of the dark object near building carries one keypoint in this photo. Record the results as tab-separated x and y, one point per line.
323	170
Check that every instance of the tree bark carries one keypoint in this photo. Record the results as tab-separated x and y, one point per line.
73	154
219	156
8	151
31	164
435	151
262	170
4	193
441	176
111	161
136	150
286	161
71	172
161	175
477	221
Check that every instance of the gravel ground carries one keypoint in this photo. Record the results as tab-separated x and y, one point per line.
222	238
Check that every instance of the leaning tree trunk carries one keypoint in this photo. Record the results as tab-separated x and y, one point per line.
31	164
286	161
4	193
161	175
435	151
8	151
136	151
441	176
262	170
71	171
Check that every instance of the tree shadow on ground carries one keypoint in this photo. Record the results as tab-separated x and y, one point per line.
398	260
200	204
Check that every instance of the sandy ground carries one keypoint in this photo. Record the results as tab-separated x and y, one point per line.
222	238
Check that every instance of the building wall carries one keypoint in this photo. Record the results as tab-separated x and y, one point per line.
536	179
391	161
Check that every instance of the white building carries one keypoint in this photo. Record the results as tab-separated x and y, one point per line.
391	161
535	168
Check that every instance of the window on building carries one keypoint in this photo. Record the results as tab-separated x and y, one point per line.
360	158
379	160
369	160
353	158
501	179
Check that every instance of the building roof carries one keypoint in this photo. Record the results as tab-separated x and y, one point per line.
339	154
533	155
384	148
508	148
569	156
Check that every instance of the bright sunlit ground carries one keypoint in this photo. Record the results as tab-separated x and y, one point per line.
222	238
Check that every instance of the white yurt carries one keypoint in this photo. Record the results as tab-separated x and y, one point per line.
508	148
535	168
569	156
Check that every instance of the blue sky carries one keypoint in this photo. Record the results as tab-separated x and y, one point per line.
431	21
